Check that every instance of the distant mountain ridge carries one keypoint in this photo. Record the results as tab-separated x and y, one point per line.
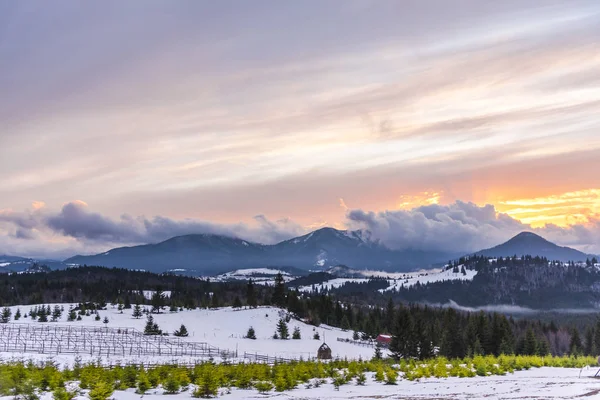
528	243
22	264
206	253
323	249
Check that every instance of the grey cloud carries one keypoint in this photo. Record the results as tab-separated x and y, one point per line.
458	227
25	234
75	221
25	220
463	227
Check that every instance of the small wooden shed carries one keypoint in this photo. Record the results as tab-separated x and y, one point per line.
324	352
384	340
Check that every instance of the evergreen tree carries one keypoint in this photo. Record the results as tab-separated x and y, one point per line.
207	384
251	334
390	315
137	311
43	317
6	314
282	329
477	348
296	333
452	342
151	327
345	324
597	337
575	346
181	332
101	391
171	385
378	355
590	345
237	303
530	345
214	301
316	336
56	313
426	341
251	295
278	298
543	348
158	300
105	320
403	344
72	315
143	383
18	314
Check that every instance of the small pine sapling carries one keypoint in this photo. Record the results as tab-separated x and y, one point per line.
181	332
251	334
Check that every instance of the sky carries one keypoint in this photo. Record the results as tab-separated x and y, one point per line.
435	124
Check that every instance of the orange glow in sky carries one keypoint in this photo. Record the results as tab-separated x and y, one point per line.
562	209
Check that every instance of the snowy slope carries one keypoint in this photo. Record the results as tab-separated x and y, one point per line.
408	280
261	276
331	284
225	328
396	280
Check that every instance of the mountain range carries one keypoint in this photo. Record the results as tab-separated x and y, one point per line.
528	243
207	254
203	254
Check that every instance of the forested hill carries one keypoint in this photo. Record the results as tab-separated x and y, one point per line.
417	330
116	285
528	281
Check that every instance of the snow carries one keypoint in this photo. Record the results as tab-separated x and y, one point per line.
542	383
321	259
396	279
4	264
224	328
430	277
252	271
267	278
331	284
149	293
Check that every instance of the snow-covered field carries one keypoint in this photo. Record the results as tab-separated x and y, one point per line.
396	280
331	284
261	276
424	277
224	328
542	383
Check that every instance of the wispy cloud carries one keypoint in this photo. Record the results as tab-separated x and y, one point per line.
183	109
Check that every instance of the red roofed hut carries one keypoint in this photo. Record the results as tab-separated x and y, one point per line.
384	340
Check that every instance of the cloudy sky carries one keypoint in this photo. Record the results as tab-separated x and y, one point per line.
447	124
